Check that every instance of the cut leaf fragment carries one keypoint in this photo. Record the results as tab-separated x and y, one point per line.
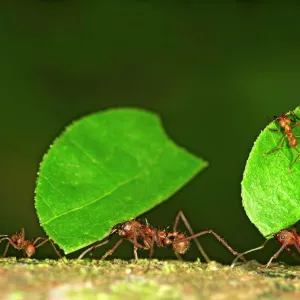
270	186
108	168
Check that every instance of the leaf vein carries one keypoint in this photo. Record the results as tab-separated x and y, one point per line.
137	176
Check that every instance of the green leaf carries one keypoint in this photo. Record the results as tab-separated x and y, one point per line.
270	188
108	168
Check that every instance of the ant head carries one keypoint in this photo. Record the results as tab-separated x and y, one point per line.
122	228
29	249
14	237
117	227
285	236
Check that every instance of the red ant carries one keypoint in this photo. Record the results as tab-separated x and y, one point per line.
284	122
135	232
18	241
286	237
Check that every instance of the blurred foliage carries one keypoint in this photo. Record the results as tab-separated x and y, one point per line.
197	65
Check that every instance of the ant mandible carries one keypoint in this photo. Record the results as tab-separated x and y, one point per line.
145	237
286	237
284	122
18	241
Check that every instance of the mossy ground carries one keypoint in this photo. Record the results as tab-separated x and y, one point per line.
83	279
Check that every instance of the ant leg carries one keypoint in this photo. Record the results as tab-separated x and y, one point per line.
45	240
136	258
275	130
148	243
135	248
295	125
292	254
246	252
6	249
181	216
112	250
92	249
294	115
275	255
23	236
138	231
277	149
295	158
218	237
9	242
152	243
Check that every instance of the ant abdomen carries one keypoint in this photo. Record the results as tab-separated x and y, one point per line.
181	247
29	249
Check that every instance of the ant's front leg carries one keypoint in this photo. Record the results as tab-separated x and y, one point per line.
92	248
137	232
246	252
275	130
276	254
112	250
295	117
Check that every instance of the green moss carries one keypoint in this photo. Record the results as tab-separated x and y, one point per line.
117	279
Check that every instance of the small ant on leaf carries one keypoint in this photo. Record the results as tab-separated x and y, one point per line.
145	237
286	237
284	122
18	241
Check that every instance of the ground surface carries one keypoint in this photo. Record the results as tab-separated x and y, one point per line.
74	279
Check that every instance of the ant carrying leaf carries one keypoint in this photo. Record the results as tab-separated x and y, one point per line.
286	237
146	237
285	122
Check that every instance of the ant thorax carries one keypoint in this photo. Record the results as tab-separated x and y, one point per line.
17	239
284	121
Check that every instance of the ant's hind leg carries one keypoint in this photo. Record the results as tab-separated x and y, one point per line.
181	216
218	237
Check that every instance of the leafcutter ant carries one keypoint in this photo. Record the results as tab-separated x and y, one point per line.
284	122
286	237
146	237
18	241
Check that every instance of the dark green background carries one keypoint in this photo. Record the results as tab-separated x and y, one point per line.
215	74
